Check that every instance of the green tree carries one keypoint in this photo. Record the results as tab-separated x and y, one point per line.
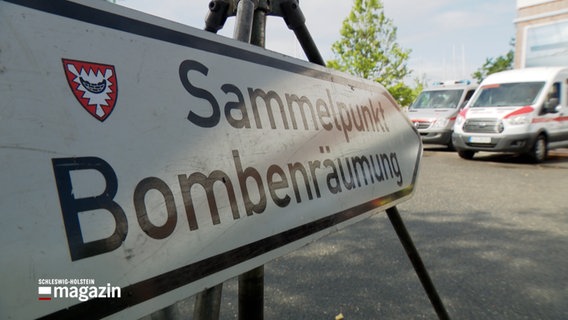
493	65
368	49
404	94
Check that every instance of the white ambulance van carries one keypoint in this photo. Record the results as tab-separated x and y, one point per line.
521	111
435	110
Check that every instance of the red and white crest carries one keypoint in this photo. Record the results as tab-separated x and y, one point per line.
94	85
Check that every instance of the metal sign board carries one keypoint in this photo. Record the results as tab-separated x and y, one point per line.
143	160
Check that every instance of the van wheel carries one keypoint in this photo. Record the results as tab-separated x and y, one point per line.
466	154
539	151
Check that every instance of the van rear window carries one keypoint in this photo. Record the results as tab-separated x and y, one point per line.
508	94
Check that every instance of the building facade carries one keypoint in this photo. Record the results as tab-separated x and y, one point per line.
541	33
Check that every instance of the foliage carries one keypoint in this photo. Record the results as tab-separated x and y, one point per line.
404	94
493	65
368	49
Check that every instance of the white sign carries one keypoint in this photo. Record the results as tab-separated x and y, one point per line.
143	160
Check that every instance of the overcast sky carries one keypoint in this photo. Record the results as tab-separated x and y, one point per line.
449	39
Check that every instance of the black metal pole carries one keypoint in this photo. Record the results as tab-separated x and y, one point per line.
245	16
251	295
208	304
258	37
295	21
419	267
251	26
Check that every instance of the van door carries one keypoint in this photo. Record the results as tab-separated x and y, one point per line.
563	113
555	111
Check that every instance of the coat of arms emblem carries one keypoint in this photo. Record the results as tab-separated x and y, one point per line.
94	85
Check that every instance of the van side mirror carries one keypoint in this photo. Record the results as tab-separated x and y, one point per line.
552	105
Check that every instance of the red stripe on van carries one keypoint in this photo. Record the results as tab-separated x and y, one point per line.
523	110
541	120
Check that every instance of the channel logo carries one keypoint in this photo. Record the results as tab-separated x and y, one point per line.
79	289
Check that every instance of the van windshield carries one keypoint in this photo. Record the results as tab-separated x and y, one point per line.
438	99
508	94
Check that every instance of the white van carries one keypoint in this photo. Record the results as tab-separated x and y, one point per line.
435	110
521	111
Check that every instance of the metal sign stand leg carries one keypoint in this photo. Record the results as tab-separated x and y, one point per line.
251	294
417	263
208	304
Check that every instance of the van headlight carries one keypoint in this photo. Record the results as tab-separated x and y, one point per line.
519	120
441	123
459	120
